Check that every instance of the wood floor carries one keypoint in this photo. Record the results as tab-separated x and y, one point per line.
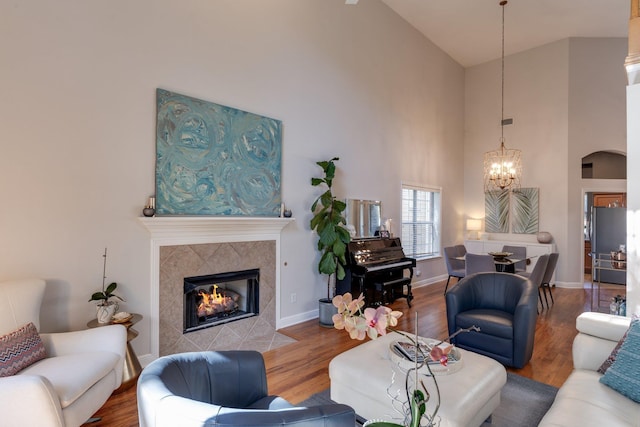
299	370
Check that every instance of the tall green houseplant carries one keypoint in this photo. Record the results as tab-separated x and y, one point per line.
329	221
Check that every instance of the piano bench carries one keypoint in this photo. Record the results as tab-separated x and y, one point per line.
388	292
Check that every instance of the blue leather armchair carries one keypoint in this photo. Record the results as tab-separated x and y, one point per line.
504	306
222	388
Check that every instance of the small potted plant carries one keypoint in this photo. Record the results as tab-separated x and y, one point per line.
329	222
106	306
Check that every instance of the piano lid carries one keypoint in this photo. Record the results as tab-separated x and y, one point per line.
375	251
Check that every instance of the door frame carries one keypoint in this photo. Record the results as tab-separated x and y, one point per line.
596	186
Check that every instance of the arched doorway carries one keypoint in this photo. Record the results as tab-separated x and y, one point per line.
601	165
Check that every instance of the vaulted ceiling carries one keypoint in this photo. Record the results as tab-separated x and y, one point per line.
470	30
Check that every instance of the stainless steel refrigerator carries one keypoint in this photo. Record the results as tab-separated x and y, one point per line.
608	232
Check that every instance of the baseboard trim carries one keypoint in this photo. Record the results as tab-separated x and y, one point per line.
298	318
569	285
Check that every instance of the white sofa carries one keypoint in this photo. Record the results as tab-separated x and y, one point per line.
582	400
79	373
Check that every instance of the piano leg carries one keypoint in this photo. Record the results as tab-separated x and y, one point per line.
375	295
384	290
358	288
398	292
409	294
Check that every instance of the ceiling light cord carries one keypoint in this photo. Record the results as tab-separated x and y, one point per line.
502	167
502	3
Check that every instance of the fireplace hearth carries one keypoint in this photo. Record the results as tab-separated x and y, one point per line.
220	298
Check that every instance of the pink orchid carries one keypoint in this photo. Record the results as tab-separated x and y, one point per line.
376	319
392	318
338	321
439	353
357	328
341	301
370	322
355	305
347	303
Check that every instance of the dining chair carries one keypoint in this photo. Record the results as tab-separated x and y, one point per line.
546	279
519	252
461	250
537	274
455	265
475	263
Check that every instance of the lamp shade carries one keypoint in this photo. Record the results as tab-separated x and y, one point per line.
474	224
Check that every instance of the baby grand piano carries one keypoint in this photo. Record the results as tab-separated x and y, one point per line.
376	267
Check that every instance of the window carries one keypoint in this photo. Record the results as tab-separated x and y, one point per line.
420	221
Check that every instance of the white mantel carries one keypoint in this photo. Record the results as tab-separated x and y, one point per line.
187	230
219	228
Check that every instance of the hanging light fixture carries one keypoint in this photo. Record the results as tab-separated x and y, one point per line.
502	168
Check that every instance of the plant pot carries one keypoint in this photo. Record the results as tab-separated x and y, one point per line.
104	313
326	310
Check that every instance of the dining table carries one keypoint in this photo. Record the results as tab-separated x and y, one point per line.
504	264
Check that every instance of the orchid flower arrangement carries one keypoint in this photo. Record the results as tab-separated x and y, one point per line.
361	322
373	322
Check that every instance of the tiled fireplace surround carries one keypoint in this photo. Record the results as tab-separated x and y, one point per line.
194	246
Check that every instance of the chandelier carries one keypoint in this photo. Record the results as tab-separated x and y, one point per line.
502	168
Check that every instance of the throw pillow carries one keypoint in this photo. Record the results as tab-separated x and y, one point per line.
19	349
624	374
612	357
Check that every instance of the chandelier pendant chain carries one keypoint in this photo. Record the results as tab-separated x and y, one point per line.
502	167
502	3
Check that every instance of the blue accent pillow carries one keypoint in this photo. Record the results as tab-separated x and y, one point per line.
624	374
612	357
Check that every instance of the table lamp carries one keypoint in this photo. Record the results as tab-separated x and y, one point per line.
473	226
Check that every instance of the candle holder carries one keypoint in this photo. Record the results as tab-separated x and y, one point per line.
150	208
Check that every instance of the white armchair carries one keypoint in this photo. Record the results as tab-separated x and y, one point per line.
80	371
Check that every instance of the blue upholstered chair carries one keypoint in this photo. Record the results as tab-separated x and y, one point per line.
475	263
519	252
503	306
548	274
222	388
455	266
538	273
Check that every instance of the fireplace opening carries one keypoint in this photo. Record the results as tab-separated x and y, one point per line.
220	298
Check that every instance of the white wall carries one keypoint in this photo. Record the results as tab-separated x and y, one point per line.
78	82
567	100
633	158
536	98
597	122
633	200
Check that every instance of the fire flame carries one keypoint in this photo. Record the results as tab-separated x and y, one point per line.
214	302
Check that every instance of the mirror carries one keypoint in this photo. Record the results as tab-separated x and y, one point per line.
364	217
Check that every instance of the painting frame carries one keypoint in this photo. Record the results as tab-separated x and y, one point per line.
496	209
215	160
525	211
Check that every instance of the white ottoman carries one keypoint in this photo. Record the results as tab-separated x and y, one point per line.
361	377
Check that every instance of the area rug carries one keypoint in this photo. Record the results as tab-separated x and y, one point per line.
523	402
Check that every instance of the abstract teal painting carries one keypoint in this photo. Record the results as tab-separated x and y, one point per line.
215	160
